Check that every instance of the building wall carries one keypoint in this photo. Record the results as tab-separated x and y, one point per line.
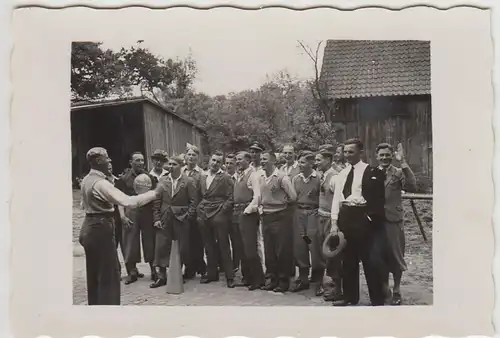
399	119
168	132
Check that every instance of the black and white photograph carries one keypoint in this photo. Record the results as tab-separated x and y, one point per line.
216	172
311	187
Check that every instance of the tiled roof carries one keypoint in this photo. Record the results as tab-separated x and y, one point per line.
361	68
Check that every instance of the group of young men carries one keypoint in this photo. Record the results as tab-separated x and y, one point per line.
246	212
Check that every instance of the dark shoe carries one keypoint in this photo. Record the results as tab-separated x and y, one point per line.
281	289
159	282
342	302
230	283
140	275
396	298
299	286
270	286
320	290
206	280
255	287
245	282
332	296
130	279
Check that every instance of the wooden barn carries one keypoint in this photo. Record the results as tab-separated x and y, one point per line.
126	126
382	93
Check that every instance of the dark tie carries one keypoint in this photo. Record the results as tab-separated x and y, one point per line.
348	183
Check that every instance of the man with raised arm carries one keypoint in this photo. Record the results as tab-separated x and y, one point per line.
393	243
97	233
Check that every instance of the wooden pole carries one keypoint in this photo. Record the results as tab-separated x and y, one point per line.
418	219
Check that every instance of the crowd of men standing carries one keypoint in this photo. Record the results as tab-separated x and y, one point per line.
274	222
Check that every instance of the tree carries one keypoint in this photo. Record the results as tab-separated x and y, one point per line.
319	86
282	110
98	73
95	72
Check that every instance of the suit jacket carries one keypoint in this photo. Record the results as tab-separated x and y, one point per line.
126	182
396	180
218	198
182	205
196	176
373	191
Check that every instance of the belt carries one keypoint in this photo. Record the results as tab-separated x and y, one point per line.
306	207
353	206
241	205
101	214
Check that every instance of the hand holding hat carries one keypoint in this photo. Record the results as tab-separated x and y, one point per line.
333	244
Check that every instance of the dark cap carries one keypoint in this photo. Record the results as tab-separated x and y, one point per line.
160	155
257	146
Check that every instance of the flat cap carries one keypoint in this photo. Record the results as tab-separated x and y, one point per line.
160	155
327	148
96	152
257	146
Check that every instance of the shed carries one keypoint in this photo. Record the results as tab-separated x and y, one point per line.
382	93
125	126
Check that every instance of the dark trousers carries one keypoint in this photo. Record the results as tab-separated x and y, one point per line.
359	233
142	230
236	243
277	233
196	248
118	228
103	269
333	265
215	234
251	267
173	230
306	223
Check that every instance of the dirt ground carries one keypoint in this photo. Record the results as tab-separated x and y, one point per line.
416	286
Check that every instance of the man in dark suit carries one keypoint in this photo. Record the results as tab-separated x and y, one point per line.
214	218
358	211
172	215
136	223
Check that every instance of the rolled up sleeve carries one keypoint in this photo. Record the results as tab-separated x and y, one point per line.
111	194
337	193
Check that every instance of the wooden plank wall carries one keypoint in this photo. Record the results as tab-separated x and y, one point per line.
409	122
166	131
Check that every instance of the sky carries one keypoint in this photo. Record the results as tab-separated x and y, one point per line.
233	52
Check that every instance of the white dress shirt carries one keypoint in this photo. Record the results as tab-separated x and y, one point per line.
306	179
174	182
288	169
356	196
153	173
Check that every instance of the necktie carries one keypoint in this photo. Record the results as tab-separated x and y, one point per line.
348	183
